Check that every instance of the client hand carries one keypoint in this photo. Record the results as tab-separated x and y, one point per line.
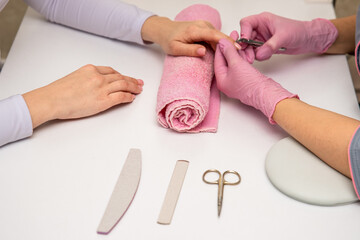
85	92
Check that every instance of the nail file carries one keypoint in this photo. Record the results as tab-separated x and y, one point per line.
173	192
124	192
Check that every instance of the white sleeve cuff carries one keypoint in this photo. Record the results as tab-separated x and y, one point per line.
15	120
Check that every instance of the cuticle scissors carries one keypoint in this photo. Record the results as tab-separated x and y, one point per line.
255	43
221	182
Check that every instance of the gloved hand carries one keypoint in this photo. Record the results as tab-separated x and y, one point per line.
238	79
297	37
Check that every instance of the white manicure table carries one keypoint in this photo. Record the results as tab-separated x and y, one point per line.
56	184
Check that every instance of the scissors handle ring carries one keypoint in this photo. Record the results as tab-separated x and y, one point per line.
211	171
231	172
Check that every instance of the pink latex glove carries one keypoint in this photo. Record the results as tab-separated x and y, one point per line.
297	37
238	79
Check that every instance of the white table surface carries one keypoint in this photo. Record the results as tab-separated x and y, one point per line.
56	184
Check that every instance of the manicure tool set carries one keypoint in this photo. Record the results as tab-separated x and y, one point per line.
128	182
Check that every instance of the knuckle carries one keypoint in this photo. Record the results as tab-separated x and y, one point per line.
110	68
119	76
89	67
265	14
202	23
192	28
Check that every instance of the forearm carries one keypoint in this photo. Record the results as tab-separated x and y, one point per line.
326	134
109	18
345	42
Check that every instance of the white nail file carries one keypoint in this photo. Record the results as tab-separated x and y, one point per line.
173	192
123	193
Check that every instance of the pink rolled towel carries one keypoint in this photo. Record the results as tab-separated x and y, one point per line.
187	100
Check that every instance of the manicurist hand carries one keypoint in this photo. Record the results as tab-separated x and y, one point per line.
238	79
297	37
181	38
85	92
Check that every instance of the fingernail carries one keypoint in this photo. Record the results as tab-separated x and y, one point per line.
201	51
141	82
237	46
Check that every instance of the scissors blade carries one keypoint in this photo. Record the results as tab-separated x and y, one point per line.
255	43
220	193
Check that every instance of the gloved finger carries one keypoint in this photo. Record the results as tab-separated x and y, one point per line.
220	64
250	54
270	47
230	53
234	35
247	25
242	54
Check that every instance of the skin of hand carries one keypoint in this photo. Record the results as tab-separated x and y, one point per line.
345	41
326	134
85	92
181	38
297	37
238	79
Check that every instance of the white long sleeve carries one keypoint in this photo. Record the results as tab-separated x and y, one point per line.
109	18
15	120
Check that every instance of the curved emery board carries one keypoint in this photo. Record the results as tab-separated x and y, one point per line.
124	192
299	174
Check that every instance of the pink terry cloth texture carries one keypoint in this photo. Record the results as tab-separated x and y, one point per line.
188	99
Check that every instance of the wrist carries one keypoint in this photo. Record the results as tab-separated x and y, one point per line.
153	29
268	95
284	109
322	33
40	107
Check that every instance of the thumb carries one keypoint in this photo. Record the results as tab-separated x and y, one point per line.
230	53
270	47
220	64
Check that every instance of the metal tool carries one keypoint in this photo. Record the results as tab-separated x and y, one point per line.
255	43
221	182
124	192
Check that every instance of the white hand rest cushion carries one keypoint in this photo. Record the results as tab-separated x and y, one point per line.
301	175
